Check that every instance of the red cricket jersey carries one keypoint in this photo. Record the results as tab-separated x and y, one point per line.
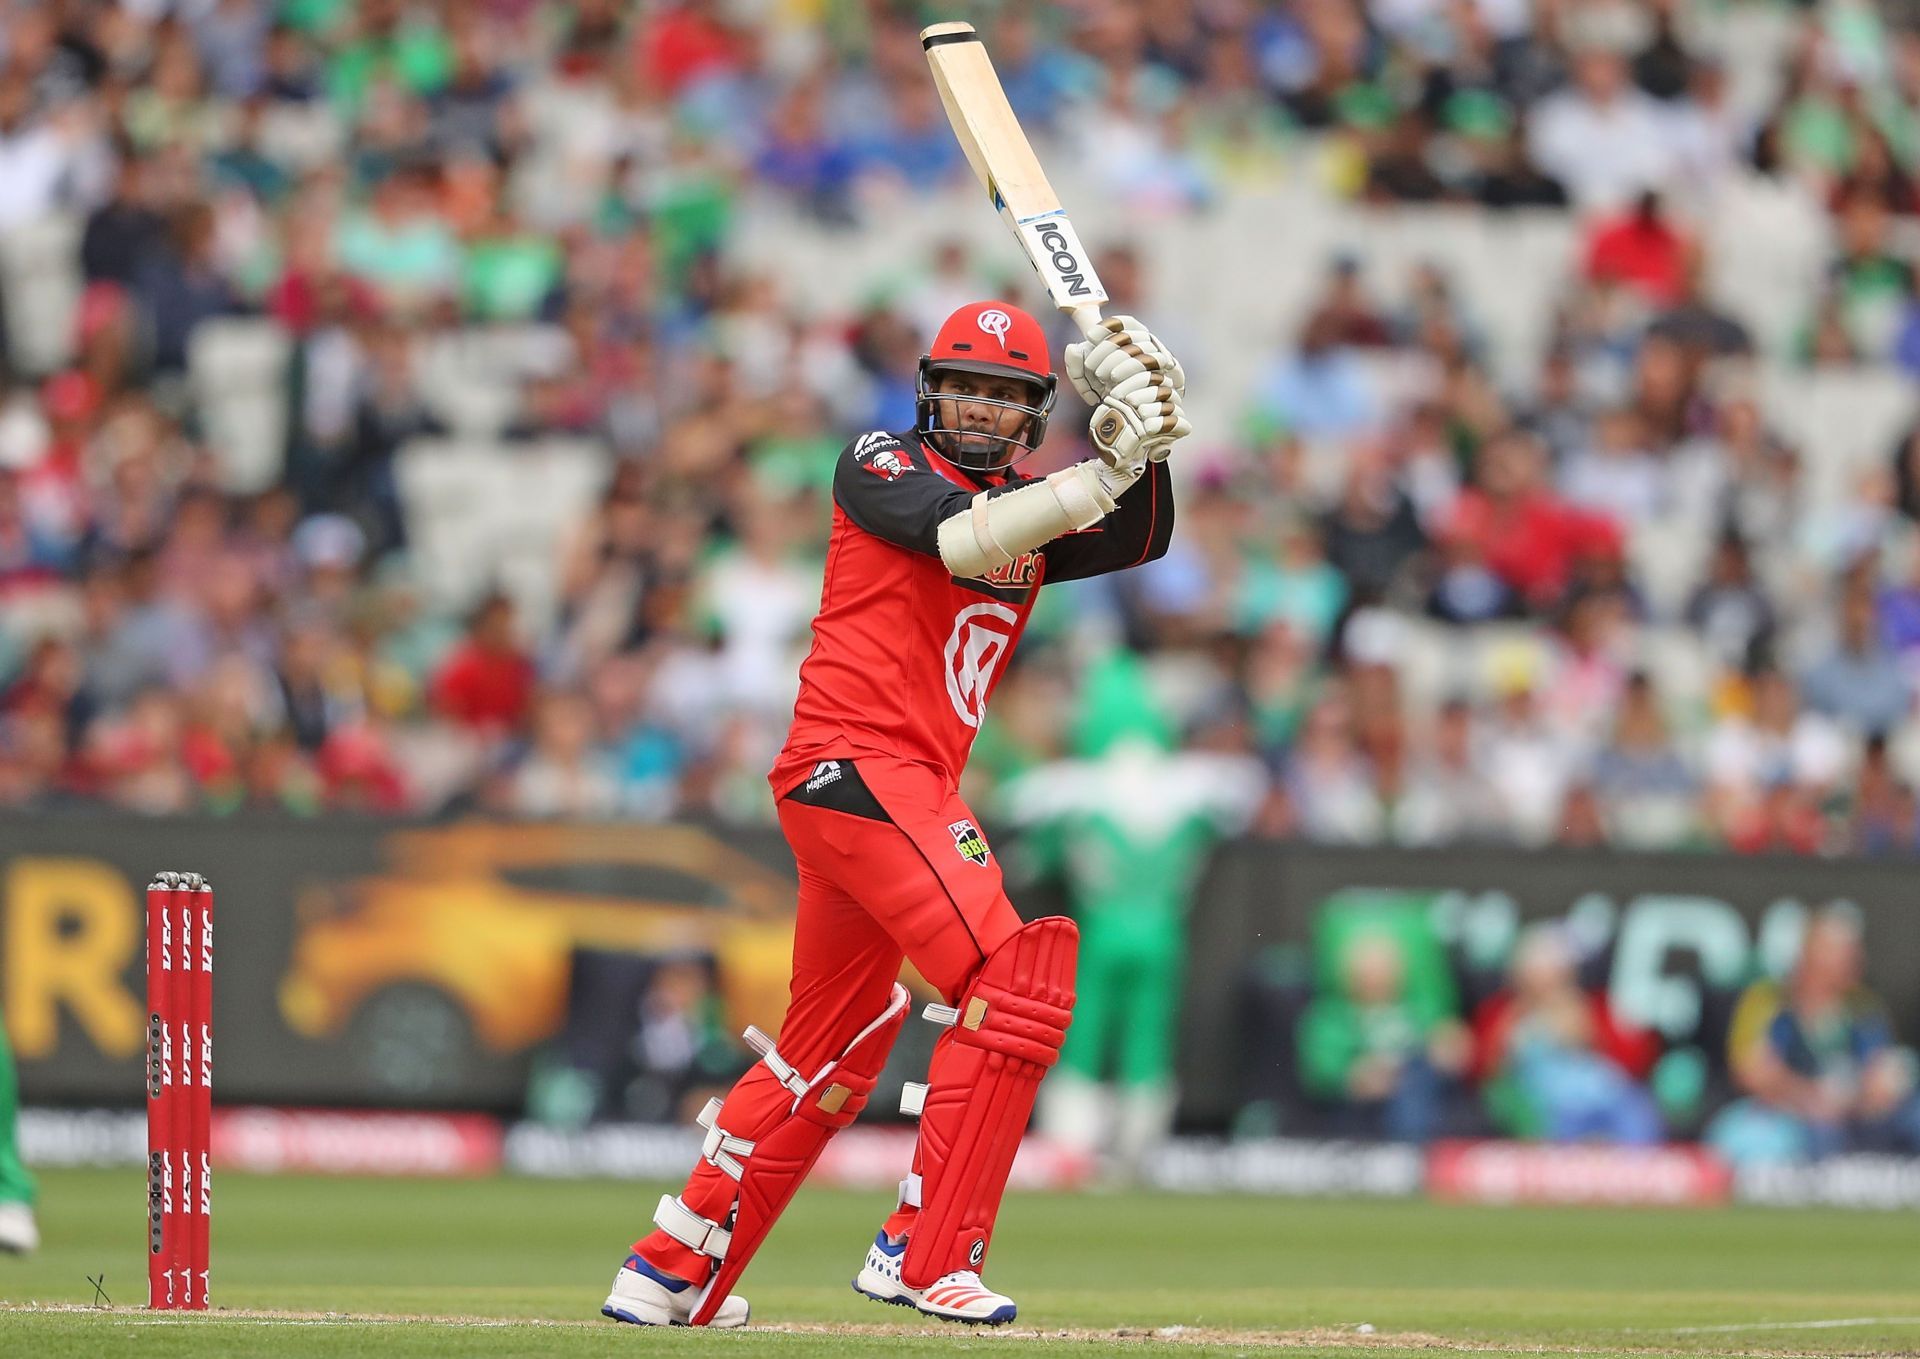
905	654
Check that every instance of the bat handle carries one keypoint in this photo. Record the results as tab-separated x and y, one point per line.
1087	318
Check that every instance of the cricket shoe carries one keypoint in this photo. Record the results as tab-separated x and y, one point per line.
959	1296
645	1296
18	1234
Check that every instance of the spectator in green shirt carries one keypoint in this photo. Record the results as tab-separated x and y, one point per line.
399	244
509	273
1386	1064
388	42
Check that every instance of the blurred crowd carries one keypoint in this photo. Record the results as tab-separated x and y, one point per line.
374	175
1799	1067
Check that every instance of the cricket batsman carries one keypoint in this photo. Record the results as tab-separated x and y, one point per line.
938	549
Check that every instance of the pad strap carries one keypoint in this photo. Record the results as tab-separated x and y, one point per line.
913	1098
690	1229
722	1149
787	1076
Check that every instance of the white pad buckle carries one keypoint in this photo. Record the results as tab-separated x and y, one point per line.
910	1189
944	1015
690	1229
760	1043
721	1148
913	1098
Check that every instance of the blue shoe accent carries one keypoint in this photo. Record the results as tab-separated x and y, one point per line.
621	1314
886	1247
671	1283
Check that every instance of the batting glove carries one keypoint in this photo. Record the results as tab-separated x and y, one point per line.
1124	349
1139	421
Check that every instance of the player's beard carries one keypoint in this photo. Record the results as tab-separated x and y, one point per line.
982	450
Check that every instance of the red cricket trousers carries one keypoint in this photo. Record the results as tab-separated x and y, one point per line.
892	866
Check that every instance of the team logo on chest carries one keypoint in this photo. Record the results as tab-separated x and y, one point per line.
971	844
981	636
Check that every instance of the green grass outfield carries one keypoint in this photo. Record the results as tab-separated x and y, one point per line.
518	1267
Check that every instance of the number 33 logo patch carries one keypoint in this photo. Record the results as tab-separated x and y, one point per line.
970	842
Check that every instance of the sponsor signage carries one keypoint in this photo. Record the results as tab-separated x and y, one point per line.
391	965
369	963
406	1143
1670	938
1533	1172
352	1142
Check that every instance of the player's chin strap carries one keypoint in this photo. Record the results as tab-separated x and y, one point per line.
1002	1037
770	1167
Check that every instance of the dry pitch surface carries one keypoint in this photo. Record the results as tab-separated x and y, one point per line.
332	1268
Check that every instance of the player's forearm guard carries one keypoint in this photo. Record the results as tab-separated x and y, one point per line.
996	529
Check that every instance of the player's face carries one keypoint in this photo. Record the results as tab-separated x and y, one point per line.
972	411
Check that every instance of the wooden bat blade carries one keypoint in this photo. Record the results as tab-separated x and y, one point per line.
983	121
1003	160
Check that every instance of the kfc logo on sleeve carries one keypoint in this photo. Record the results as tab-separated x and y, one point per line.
881	454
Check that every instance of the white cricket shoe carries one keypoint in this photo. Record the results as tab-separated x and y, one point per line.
18	1234
959	1296
643	1296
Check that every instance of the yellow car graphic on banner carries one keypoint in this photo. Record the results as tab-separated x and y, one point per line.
466	942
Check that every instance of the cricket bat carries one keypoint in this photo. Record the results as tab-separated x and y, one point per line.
1004	162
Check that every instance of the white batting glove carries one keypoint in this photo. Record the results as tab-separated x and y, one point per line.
1125	349
1117	479
1139	421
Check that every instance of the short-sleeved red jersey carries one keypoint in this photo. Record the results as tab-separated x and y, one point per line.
905	654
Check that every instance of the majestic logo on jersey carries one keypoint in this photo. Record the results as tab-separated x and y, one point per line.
996	323
824	773
970	842
981	636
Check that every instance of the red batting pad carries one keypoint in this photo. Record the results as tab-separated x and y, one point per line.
782	1157
980	1094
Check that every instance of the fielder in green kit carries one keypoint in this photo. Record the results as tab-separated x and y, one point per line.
1128	825
18	1232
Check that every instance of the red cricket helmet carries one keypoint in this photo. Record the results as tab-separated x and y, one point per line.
988	339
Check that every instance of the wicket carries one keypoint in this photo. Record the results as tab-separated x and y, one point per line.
179	1089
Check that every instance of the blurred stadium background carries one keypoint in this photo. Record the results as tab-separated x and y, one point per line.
415	426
